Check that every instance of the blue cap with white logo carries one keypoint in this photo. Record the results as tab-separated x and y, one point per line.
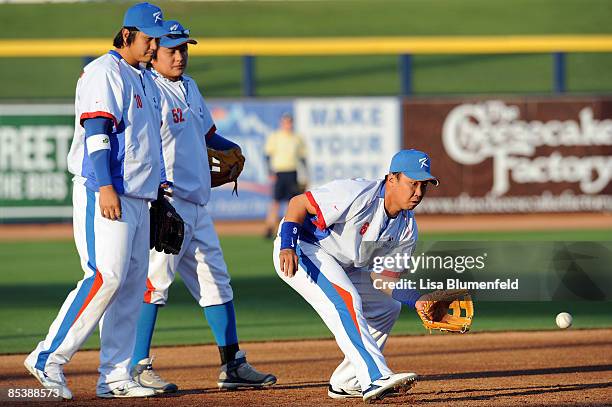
177	36
414	164
147	17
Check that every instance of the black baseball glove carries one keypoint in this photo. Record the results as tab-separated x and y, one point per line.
167	226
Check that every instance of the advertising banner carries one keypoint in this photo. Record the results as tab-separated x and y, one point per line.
348	137
34	143
515	155
246	123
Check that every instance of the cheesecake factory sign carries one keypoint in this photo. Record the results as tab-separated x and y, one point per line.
515	156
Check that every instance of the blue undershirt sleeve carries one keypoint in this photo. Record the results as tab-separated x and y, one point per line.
220	143
97	139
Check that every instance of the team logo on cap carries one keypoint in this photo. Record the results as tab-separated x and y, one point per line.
174	27
157	15
423	162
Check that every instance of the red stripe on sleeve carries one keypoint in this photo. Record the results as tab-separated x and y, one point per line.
320	223
389	273
212	131
348	300
91	115
150	289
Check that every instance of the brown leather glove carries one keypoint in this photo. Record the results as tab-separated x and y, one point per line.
225	166
435	307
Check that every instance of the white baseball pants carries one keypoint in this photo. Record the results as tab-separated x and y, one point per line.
357	314
114	257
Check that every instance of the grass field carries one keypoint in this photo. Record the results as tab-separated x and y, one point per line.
36	276
55	78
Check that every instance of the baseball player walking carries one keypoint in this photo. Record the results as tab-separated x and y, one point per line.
187	131
322	252
115	161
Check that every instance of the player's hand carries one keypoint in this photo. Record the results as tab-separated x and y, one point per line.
110	205
288	262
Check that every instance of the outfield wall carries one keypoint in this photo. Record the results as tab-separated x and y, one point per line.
511	155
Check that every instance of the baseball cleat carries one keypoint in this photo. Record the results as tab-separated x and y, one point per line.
143	374
384	386
50	383
339	393
239	373
130	389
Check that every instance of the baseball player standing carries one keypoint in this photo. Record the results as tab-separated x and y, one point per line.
187	131
115	159
323	251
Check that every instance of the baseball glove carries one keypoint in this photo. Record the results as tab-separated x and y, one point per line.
225	166
435	312
167	226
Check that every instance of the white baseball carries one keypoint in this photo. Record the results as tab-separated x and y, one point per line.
564	320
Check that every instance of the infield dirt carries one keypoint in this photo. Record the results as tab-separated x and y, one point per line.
572	367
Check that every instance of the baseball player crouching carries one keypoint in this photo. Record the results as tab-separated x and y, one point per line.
321	252
117	111
187	131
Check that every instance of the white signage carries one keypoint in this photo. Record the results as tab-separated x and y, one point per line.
348	137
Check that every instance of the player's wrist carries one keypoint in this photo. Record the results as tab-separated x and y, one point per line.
107	188
406	296
289	234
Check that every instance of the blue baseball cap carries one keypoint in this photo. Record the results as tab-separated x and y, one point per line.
414	164
147	17
177	36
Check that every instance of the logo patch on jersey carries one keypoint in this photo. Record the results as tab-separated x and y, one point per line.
364	228
138	101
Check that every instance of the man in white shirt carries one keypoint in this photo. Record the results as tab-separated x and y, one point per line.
187	130
115	161
323	252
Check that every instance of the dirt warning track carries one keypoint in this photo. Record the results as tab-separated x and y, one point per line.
571	367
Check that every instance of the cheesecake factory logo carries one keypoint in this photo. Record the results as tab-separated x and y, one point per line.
473	133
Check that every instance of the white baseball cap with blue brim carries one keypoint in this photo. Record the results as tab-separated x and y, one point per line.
414	164
147	17
177	35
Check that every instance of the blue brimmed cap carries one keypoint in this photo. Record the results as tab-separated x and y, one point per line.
147	17
414	164
178	35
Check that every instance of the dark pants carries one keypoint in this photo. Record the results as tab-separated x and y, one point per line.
286	186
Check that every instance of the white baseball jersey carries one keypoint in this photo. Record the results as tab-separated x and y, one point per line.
187	123
335	250
350	215
114	253
110	87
